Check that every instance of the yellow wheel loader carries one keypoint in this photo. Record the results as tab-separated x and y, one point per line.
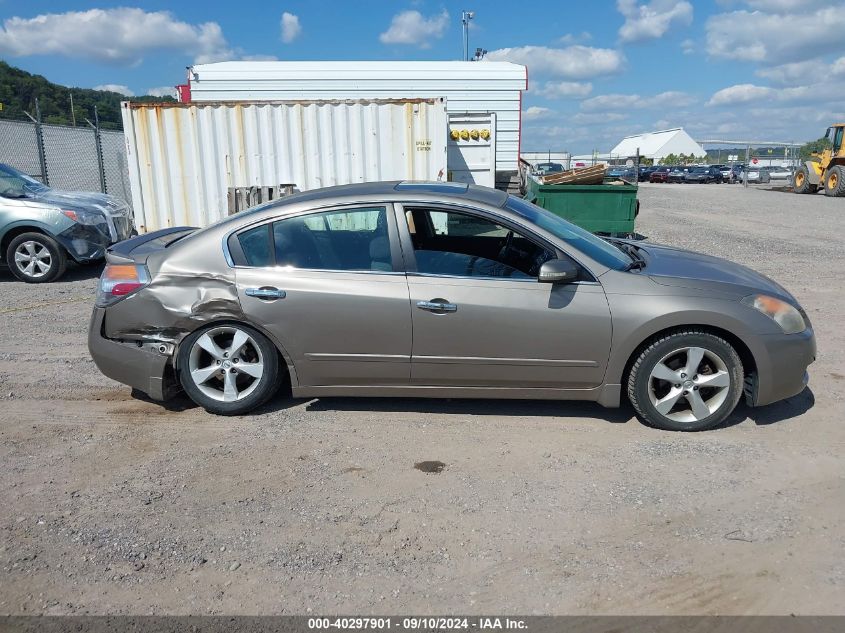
825	169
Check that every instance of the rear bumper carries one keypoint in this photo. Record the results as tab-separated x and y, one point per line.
143	368
782	363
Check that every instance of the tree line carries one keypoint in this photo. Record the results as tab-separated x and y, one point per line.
19	90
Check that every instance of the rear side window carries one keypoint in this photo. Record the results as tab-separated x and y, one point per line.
351	239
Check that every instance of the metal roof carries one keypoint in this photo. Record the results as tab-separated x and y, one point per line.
650	144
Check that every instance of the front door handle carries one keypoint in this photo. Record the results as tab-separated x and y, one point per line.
267	293
437	305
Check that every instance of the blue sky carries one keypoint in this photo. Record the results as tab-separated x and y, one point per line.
598	70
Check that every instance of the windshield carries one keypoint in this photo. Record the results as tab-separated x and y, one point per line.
593	247
14	184
700	170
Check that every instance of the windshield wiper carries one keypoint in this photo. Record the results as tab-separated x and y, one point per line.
637	261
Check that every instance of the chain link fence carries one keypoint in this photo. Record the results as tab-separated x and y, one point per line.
66	157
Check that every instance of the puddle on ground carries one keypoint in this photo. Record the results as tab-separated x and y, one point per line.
430	467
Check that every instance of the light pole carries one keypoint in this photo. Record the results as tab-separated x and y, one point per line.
466	16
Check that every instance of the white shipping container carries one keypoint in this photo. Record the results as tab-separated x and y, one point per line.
483	87
185	159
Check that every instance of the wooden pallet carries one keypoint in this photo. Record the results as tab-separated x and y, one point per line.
585	176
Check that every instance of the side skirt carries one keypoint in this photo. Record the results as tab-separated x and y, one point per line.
606	395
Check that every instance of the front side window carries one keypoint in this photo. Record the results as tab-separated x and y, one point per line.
593	247
467	245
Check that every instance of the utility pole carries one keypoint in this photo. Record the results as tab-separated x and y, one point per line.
466	16
72	113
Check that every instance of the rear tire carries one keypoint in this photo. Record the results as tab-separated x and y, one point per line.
801	181
36	258
686	381
834	184
228	369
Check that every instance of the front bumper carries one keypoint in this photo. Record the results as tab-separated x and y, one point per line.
782	361
142	367
88	242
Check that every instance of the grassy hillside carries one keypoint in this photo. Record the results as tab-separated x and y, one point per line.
19	89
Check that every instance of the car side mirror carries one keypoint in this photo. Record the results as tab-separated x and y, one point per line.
558	271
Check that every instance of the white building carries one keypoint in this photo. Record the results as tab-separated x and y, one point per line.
657	145
479	96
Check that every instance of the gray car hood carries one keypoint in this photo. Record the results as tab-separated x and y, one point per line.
83	200
687	269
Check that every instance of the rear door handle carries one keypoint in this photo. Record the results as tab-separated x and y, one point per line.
267	293
437	305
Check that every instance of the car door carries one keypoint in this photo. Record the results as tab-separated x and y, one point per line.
329	286
480	317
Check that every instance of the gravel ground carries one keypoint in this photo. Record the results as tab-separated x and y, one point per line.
118	505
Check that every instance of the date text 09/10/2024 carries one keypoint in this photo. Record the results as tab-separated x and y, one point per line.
415	624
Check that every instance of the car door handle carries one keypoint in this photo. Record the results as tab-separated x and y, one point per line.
437	306
267	293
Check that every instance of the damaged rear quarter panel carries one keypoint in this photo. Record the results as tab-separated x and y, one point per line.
189	289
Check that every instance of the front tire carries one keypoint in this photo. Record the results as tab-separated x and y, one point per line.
834	184
36	258
686	381
801	181
228	369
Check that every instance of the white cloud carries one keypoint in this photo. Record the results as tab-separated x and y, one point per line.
534	113
291	28
688	47
773	6
411	27
796	73
592	118
749	93
774	38
564	89
838	67
652	20
572	62
162	91
617	102
572	38
118	36
118	88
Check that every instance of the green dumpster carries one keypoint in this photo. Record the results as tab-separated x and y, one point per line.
606	209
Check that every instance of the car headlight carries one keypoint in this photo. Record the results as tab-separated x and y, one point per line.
82	216
784	314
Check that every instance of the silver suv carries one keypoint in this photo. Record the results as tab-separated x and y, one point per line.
40	228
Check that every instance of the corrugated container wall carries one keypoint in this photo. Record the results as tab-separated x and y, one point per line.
185	160
469	87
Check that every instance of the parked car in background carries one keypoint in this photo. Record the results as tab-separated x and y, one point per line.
660	174
40	227
676	174
703	174
507	300
623	173
779	173
543	169
757	175
645	173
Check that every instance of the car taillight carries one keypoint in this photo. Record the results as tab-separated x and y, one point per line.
118	281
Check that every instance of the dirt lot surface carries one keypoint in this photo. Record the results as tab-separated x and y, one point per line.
118	505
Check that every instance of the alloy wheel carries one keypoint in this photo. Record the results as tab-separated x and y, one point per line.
226	364
33	259
689	384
